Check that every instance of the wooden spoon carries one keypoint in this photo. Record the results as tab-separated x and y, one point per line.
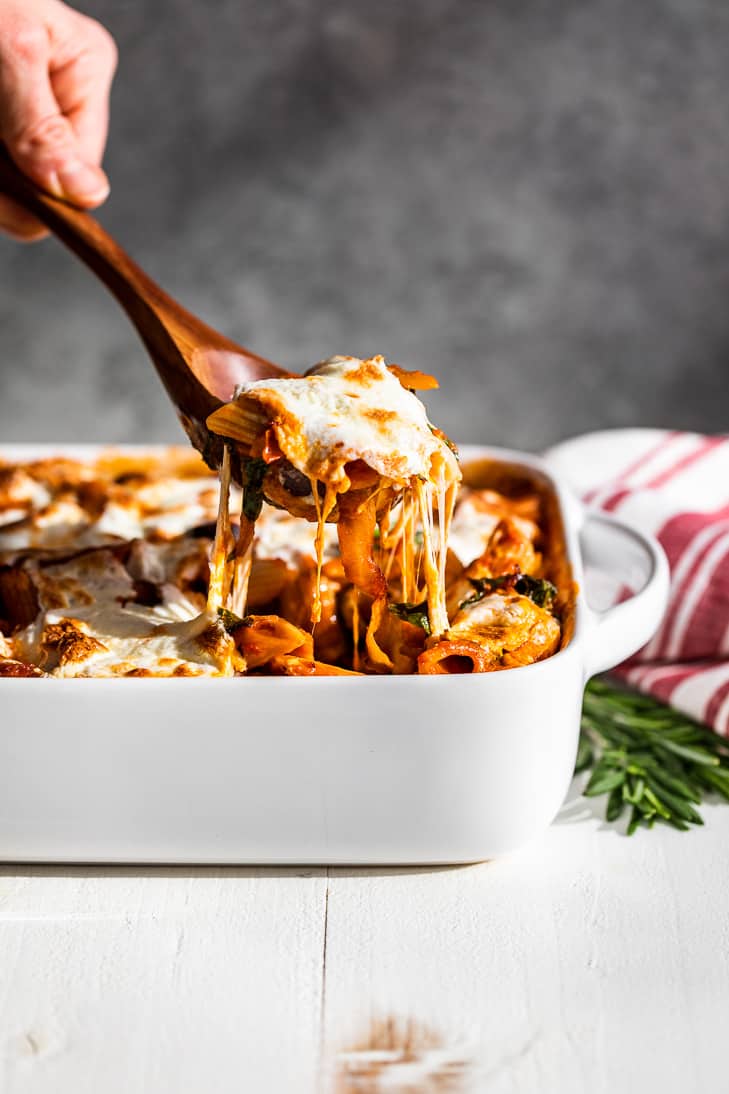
199	367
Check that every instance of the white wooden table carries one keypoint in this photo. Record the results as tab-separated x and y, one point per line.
586	962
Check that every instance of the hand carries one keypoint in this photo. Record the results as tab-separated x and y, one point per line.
56	68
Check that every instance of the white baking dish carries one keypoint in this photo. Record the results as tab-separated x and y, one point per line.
432	769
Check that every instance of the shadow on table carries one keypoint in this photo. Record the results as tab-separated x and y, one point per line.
576	809
182	870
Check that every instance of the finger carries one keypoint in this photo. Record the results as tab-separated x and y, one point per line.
41	141
15	222
82	84
91	125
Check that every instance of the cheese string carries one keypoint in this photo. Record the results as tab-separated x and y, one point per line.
323	512
433	560
355	632
223	543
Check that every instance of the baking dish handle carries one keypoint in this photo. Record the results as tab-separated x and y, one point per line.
636	561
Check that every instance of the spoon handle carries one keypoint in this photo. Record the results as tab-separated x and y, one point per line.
198	366
134	290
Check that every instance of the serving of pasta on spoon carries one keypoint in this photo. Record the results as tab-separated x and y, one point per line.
348	443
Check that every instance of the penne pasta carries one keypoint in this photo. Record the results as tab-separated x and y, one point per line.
269	578
509	550
260	638
401	641
413	380
330	639
454	655
241	421
350	547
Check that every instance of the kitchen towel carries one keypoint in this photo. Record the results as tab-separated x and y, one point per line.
674	485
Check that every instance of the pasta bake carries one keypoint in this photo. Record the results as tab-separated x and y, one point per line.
356	544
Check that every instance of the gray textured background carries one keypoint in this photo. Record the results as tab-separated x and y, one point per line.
529	198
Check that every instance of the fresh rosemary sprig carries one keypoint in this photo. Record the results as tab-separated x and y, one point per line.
648	758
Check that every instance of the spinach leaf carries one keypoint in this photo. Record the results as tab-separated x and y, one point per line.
415	614
484	586
231	621
538	589
253	474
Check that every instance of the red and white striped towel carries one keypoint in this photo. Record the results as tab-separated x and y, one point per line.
675	486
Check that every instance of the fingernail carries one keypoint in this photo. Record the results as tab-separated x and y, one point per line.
79	181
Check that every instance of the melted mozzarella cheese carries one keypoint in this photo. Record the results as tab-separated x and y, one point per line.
490	618
152	641
164	506
17	485
91	598
279	535
507	624
477	515
347	409
470	531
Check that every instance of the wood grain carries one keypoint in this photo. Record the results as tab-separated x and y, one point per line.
160	980
585	962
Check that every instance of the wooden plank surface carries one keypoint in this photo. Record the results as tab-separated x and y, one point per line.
164	980
586	961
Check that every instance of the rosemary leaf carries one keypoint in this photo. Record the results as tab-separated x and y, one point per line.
649	757
695	755
585	754
634	790
603	780
716	780
616	804
635	819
